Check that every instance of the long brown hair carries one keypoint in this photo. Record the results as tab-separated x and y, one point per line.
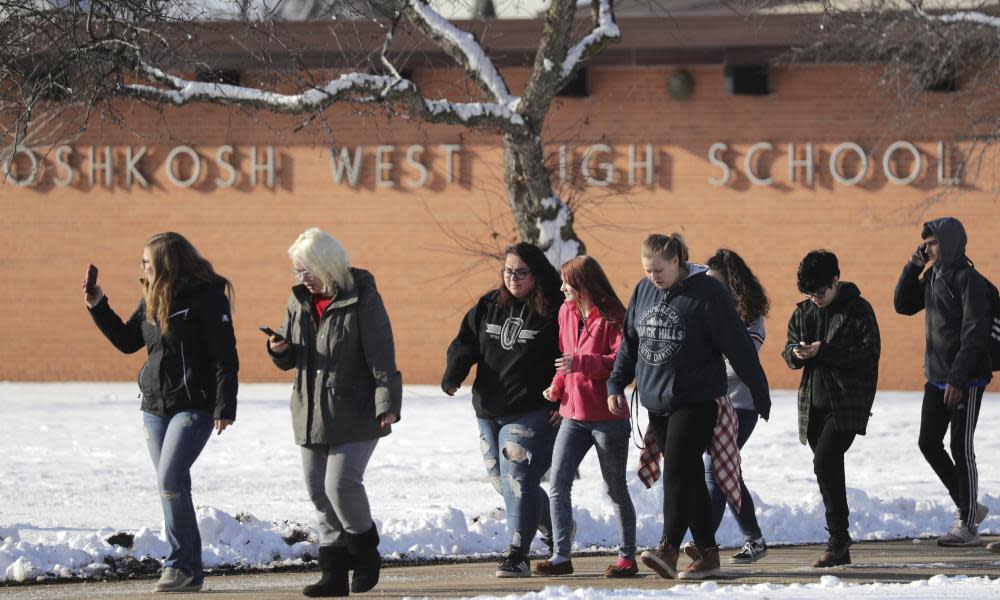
176	264
544	298
748	294
585	275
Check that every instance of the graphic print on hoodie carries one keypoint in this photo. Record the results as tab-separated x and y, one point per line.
661	334
514	349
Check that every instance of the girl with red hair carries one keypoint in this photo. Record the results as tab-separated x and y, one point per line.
590	330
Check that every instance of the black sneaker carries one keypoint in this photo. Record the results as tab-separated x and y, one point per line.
750	552
514	564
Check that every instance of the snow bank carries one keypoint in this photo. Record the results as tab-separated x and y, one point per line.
78	472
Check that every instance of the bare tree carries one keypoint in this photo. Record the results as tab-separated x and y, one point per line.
949	46
60	63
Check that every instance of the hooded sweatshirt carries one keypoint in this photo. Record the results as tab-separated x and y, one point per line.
593	342
674	342
957	309
514	349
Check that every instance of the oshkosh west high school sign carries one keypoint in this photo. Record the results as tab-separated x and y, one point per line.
411	167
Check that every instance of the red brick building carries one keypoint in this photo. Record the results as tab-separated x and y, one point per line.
823	160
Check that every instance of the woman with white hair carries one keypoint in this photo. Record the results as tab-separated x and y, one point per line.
347	394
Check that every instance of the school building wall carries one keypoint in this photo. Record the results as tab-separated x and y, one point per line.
423	244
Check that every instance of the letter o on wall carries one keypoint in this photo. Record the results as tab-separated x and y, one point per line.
195	174
918	165
9	171
835	163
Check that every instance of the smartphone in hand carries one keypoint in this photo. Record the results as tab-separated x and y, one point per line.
922	251
272	333
91	285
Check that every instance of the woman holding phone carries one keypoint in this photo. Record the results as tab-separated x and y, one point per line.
347	394
188	383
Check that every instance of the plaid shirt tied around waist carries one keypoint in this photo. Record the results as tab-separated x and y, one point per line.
723	449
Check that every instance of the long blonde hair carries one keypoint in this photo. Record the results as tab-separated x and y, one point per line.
176	264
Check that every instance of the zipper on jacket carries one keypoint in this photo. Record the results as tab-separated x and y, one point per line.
143	370
184	375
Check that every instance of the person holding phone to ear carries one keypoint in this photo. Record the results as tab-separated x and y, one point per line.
337	337
188	384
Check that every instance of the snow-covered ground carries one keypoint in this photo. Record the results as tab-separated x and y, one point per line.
829	587
74	469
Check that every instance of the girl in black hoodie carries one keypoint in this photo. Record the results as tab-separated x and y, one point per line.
511	334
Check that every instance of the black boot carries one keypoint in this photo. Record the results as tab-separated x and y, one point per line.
838	550
333	562
366	559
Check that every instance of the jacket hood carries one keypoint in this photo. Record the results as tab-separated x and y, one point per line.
951	241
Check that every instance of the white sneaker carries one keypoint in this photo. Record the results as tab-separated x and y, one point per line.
174	580
960	535
981	511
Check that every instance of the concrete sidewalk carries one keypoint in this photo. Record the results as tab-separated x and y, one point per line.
887	562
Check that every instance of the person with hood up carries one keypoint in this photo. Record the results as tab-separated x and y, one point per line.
958	318
833	337
347	394
512	336
680	326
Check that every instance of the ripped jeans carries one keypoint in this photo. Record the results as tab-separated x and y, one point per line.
517	451
174	444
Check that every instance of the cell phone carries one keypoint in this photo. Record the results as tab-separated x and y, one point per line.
270	332
922	251
91	285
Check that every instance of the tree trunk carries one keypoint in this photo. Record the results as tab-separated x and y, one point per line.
542	217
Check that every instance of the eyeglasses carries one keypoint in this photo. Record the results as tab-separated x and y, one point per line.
818	293
516	275
303	274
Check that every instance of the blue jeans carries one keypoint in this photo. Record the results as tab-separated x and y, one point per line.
517	451
747	517
574	440
174	444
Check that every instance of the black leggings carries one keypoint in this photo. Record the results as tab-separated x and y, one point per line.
683	436
829	447
957	472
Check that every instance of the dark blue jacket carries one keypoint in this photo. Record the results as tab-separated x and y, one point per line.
674	343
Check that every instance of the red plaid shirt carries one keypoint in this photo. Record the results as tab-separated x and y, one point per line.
725	454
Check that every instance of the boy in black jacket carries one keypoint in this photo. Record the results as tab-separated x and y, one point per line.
834	337
956	363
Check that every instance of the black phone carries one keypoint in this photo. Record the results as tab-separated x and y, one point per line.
91	279
922	251
270	332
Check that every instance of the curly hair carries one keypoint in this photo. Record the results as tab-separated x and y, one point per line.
749	295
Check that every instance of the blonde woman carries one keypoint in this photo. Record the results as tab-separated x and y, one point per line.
346	396
188	383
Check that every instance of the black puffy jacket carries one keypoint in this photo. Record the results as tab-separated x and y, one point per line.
194	365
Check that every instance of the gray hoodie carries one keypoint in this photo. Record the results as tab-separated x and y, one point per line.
957	309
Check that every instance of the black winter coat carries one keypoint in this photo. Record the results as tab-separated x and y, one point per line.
956	305
844	373
195	365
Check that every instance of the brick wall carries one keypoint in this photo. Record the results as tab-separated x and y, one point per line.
420	243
